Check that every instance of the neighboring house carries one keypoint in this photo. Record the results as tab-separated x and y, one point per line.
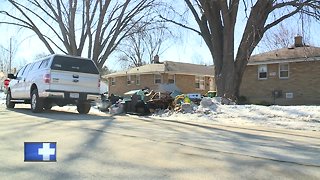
188	78
287	76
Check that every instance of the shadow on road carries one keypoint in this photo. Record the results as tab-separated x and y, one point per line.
60	115
248	143
103	149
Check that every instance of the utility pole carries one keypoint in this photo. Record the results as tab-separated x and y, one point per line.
10	56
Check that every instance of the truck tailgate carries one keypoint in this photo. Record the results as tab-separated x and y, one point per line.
74	81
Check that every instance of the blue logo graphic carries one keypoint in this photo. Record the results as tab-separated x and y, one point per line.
40	151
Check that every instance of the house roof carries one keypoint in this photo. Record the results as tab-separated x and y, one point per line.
168	67
294	54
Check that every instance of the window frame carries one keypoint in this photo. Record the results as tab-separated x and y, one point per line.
113	81
154	78
73	64
137	79
35	66
20	72
44	63
24	73
259	68
288	70
174	78
129	80
201	81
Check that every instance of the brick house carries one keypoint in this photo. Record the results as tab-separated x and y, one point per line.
189	78
287	76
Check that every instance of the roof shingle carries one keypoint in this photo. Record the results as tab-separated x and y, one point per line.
287	55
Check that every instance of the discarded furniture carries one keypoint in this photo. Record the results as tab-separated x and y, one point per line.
160	101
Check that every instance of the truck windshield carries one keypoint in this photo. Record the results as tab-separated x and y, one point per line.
74	64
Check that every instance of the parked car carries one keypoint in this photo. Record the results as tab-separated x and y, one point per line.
55	80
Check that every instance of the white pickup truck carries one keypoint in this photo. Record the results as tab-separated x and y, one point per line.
55	80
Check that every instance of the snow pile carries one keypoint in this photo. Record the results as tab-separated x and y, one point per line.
2	98
211	111
208	105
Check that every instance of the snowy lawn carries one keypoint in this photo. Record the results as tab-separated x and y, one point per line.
288	117
2	97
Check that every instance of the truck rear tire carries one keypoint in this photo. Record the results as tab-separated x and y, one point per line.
36	102
47	106
83	108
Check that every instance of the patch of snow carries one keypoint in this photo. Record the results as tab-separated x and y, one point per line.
288	117
2	98
2	95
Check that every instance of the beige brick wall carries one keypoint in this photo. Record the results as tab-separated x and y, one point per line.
121	86
186	83
303	82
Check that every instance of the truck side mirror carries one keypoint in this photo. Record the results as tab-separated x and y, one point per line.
11	76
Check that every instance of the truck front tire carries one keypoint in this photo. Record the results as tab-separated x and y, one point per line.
9	104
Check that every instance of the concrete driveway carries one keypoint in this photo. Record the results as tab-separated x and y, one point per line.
100	146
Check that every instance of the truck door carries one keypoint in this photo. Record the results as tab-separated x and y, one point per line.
15	84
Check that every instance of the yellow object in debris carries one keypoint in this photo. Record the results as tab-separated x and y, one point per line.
179	99
187	100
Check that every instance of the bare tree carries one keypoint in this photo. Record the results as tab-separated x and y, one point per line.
133	50
281	37
73	26
4	60
7	55
140	48
217	19
105	70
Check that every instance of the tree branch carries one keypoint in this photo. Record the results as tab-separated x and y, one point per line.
179	24
268	26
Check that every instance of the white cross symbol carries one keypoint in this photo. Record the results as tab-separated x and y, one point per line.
46	151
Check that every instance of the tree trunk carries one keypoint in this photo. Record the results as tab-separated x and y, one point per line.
227	82
228	85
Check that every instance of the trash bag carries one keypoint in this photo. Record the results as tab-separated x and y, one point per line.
186	108
116	109
206	102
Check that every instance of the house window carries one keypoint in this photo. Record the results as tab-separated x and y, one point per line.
199	80
262	71
137	79
171	78
157	79
283	71
128	79
113	81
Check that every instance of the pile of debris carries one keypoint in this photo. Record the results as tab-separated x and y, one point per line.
166	97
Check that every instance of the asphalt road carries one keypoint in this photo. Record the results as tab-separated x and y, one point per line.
100	146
